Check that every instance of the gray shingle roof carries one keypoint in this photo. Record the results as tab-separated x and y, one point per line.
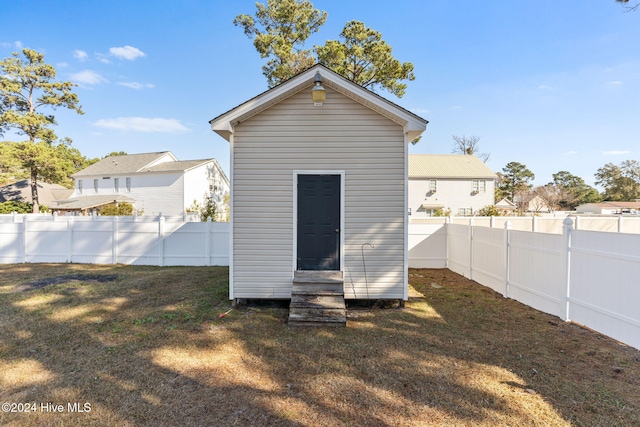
121	164
21	191
179	166
86	202
448	166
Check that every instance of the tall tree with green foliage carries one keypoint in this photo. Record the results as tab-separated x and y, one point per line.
27	85
281	27
620	183
515	182
363	57
279	30
573	190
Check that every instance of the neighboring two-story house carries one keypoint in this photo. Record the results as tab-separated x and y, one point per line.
441	183
154	183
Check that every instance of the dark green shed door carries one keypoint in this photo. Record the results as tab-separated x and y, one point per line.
318	222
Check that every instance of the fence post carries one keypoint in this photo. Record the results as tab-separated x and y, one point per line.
447	221
577	227
491	221
161	239
534	223
620	224
471	221
566	240
25	239
114	239
507	242
208	242
70	241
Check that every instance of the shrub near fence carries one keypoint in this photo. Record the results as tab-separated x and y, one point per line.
113	240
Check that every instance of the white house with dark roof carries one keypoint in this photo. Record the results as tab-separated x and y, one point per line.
458	183
155	183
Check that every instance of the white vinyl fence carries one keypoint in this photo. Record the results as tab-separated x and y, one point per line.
588	277
113	240
545	224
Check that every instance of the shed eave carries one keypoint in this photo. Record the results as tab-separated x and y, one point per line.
413	124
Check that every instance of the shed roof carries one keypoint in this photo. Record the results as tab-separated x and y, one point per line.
448	166
413	124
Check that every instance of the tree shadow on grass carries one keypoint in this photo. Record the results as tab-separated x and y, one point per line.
150	349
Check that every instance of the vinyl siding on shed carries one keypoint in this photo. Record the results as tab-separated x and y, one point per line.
342	135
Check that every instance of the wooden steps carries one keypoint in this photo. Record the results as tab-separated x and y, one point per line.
317	299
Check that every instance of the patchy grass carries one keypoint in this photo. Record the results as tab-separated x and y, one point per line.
150	349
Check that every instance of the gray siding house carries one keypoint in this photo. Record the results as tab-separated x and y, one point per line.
314	185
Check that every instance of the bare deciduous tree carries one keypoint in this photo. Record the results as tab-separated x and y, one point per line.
551	195
625	5
469	145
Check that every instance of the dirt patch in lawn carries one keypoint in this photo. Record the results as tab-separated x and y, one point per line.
41	283
151	349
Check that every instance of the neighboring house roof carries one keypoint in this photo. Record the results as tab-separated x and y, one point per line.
431	206
127	164
87	202
612	205
413	124
21	192
448	166
506	204
132	164
179	166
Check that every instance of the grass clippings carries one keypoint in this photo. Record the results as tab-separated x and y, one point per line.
150	348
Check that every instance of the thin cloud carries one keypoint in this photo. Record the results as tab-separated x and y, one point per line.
615	152
544	87
80	55
570	153
88	77
104	58
420	110
136	85
142	124
129	53
614	83
17	44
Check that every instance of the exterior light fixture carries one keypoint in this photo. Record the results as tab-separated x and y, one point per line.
318	94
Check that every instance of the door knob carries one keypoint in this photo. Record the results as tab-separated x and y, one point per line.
337	230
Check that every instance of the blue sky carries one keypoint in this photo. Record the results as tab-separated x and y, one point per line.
552	84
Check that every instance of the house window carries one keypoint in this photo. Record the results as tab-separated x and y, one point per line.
116	185
128	184
430	212
479	186
95	185
432	185
465	211
79	186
